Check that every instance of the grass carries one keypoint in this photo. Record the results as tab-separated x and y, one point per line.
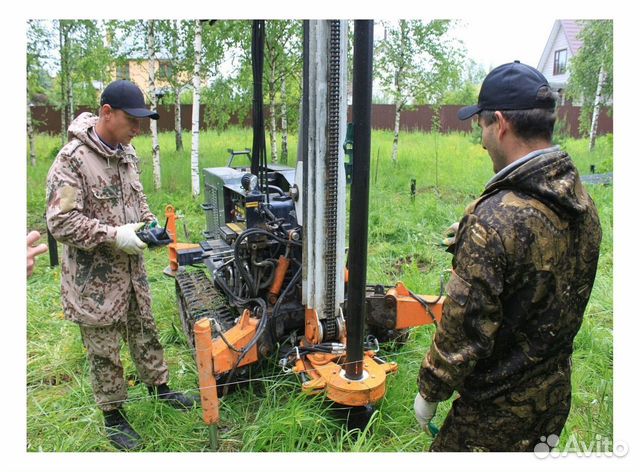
271	414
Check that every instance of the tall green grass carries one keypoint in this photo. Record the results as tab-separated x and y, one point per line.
270	413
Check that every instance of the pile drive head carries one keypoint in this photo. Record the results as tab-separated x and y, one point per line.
274	281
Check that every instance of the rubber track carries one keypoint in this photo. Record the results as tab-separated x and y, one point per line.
202	299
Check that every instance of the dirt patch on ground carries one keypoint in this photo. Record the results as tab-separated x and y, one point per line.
398	266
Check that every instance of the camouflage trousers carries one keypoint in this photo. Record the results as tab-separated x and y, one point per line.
103	351
514	422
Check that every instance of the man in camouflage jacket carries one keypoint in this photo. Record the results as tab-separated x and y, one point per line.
525	258
95	203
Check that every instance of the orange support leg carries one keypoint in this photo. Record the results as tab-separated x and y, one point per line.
207	381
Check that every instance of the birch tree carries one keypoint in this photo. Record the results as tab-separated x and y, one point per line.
38	42
230	94
66	101
151	54
83	62
415	63
283	44
175	40
284	123
227	94
195	115
602	77
591	73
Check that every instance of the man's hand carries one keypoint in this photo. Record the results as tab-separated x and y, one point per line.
32	251
127	240
425	411
450	235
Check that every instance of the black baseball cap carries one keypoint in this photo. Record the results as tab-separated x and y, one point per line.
512	86
126	96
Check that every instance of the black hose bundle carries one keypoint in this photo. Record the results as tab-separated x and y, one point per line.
238	260
258	304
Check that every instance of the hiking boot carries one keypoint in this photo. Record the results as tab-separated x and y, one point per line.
177	400
120	432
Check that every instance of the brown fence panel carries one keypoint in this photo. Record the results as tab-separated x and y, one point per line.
417	119
449	121
571	114
382	117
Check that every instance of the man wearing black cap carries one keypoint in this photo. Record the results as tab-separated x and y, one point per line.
95	205
525	258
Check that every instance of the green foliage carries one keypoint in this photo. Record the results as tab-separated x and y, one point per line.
176	39
282	76
584	68
38	41
465	91
227	94
466	94
416	62
270	414
561	131
84	59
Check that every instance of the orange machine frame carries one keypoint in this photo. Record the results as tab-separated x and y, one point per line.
410	312
322	372
172	217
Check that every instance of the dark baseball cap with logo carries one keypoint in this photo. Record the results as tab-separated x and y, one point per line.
126	96
512	86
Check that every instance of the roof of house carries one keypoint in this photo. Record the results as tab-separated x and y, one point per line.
571	28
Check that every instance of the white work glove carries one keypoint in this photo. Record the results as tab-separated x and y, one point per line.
425	411
127	240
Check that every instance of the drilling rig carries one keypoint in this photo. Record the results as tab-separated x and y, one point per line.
277	279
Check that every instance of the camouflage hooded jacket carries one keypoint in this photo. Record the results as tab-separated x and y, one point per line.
524	264
91	190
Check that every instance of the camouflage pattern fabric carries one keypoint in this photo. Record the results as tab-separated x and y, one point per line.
513	422
103	351
525	260
91	190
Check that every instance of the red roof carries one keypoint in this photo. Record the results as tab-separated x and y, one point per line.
571	29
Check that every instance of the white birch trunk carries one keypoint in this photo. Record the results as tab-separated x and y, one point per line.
31	136
69	99
396	134
272	104
177	123
284	151
272	124
151	49
68	91
602	76
63	73
195	115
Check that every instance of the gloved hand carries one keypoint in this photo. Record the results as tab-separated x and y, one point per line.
127	240
425	411
154	236
450	235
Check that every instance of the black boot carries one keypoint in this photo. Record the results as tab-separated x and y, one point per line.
177	400
119	431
